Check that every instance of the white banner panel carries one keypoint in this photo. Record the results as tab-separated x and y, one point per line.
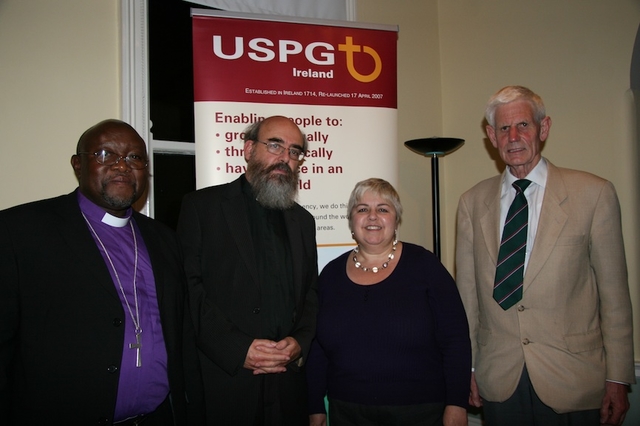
335	80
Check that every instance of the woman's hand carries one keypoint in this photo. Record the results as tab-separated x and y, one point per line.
455	416
318	420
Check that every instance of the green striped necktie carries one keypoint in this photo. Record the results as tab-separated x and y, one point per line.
507	288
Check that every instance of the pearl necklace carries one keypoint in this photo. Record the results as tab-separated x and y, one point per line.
375	269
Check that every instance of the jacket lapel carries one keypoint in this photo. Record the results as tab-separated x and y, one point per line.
489	222
153	245
235	213
296	245
80	243
552	220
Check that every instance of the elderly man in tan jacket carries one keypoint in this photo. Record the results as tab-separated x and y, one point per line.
559	351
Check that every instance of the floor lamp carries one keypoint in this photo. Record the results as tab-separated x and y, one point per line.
435	147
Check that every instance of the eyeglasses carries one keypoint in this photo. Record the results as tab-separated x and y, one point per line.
108	158
276	149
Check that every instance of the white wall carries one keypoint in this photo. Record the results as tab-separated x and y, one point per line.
59	75
454	54
576	54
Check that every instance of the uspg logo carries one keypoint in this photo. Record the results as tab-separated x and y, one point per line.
318	53
350	49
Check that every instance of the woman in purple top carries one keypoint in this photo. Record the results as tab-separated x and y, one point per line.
392	344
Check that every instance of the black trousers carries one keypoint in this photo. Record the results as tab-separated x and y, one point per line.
343	413
524	408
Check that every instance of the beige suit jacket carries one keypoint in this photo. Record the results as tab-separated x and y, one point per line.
573	326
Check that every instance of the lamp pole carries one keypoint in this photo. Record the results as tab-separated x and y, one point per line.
435	147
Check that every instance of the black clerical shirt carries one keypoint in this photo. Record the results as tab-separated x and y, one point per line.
274	265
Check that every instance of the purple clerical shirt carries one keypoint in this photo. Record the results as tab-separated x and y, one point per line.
140	389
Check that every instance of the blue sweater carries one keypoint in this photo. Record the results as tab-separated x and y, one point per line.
404	340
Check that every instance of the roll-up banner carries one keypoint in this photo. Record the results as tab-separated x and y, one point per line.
336	80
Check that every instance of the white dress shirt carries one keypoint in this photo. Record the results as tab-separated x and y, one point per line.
534	194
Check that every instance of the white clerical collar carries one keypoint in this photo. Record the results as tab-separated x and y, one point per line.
98	214
116	222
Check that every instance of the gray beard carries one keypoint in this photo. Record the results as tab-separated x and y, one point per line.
273	192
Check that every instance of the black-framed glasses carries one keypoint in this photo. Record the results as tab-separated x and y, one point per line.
108	158
276	148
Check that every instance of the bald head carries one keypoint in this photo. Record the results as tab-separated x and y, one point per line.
104	127
104	167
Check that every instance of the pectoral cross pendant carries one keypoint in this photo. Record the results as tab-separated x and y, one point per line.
137	345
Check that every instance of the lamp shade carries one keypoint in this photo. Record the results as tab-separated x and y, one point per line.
434	145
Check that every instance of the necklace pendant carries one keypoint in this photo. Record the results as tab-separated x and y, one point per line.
134	318
137	346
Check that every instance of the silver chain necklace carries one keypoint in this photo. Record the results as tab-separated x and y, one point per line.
375	269
134	318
